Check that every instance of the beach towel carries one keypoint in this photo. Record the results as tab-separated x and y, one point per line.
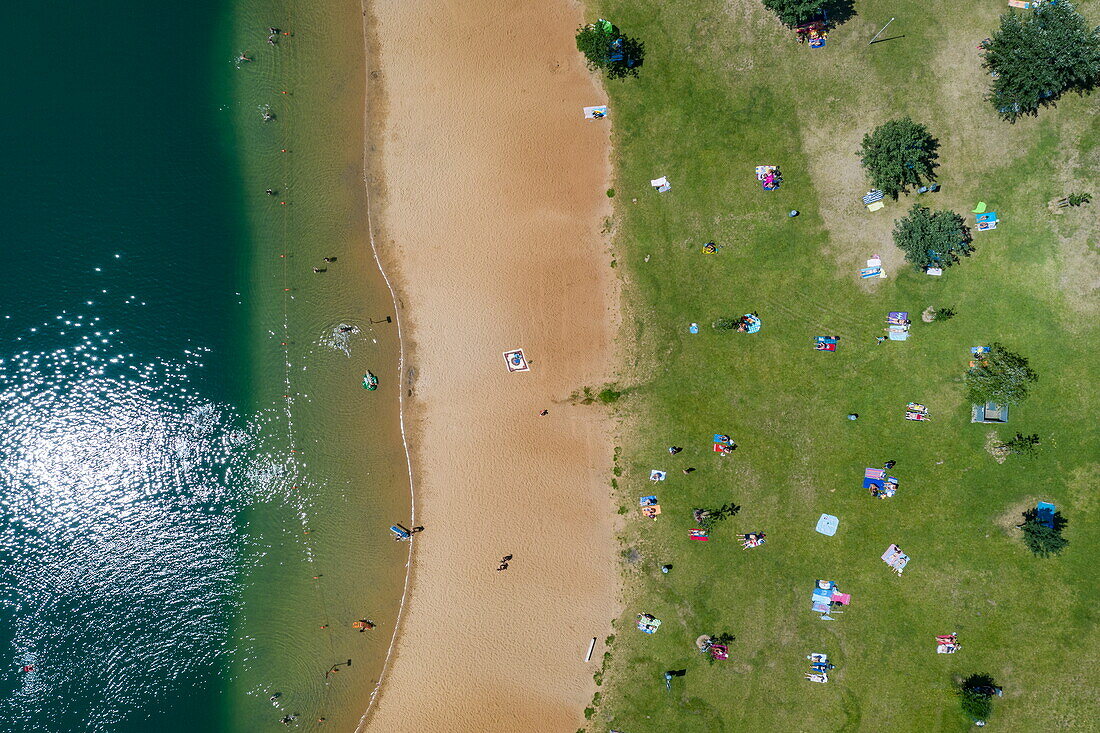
698	534
900	318
872	196
937	271
991	216
516	361
895	558
661	184
842	598
979	349
898	335
595	113
874	473
866	272
825	346
986	226
656	475
916	407
875	206
693	328
648	501
827	524
752	323
916	416
651	511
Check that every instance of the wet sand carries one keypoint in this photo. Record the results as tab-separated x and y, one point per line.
488	200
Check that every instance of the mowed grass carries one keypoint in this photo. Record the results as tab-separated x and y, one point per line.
723	89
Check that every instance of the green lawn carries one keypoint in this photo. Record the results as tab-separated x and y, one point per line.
724	88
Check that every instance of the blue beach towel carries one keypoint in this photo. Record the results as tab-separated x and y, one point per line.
827	524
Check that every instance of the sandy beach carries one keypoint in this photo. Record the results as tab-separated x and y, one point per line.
488	203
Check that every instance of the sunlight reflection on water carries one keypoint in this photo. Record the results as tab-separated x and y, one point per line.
118	505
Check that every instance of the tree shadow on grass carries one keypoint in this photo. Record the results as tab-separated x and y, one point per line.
839	11
627	57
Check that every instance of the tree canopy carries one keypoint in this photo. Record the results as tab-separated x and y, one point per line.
1000	376
899	154
794	12
932	238
606	49
1038	55
976	695
1042	540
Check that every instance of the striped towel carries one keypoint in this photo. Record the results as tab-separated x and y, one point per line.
872	196
874	473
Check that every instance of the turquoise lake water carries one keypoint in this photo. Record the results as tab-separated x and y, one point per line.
162	549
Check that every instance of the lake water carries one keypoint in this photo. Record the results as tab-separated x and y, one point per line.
192	481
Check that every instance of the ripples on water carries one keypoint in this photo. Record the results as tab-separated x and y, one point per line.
120	490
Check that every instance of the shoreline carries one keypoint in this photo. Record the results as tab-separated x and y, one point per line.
371	126
470	300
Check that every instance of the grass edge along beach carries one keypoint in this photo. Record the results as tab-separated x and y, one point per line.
723	89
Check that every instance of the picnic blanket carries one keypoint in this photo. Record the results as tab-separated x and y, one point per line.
661	184
825	343
881	487
595	113
827	524
657	475
769	177
1045	513
648	624
516	361
872	196
895	558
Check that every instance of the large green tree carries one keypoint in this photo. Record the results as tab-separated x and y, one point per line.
932	238
793	12
1044	541
1038	55
899	154
1001	376
607	50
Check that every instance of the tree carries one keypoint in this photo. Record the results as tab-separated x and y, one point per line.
1037	56
932	238
899	154
1000	376
606	49
1021	445
943	314
794	12
976	695
1042	540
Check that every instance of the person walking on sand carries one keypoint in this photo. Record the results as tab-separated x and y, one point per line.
544	413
